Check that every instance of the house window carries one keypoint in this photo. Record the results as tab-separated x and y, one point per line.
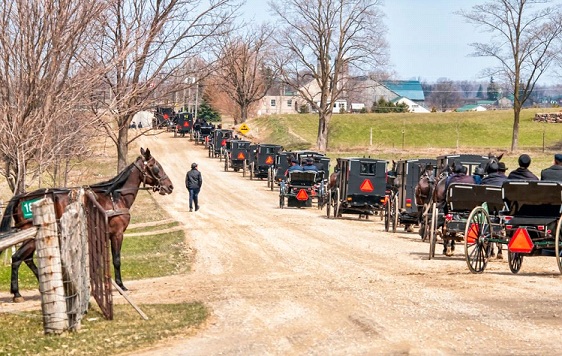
272	102
342	106
289	103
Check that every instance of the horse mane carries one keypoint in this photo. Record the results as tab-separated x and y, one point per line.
116	183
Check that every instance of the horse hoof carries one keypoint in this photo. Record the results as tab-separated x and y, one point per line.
499	256
449	252
18	299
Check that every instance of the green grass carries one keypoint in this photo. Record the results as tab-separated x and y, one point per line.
352	132
22	334
404	136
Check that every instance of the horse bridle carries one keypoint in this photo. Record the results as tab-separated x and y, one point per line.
150	171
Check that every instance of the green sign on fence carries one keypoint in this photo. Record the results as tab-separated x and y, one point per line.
26	208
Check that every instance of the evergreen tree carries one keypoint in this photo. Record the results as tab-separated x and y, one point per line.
480	93
493	90
207	112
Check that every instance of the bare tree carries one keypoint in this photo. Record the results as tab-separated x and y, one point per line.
522	41
444	95
42	86
243	72
320	42
151	43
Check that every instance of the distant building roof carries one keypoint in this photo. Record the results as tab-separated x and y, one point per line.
471	107
486	102
410	89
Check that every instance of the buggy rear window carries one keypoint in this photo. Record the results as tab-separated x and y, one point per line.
368	168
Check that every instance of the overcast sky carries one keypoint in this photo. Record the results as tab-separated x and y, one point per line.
427	41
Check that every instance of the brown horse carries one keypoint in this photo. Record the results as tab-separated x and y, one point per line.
116	196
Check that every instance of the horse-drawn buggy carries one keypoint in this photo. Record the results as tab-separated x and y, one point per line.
465	204
277	171
164	118
183	124
402	207
533	225
217	144
237	152
261	159
431	186
298	189
202	132
358	186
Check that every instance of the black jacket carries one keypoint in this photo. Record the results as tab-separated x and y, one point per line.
522	174
553	173
193	179
494	179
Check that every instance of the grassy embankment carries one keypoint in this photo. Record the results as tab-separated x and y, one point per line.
149	256
404	136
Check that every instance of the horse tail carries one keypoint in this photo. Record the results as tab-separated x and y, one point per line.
6	224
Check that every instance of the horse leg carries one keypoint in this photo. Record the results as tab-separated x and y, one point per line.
499	256
116	243
24	253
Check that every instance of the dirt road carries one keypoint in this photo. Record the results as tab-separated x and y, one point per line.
290	281
293	282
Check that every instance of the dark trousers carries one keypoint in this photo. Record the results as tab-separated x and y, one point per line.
193	197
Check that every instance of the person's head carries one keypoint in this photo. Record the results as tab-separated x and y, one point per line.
558	159
194	165
479	171
294	162
493	167
309	161
458	167
524	161
501	167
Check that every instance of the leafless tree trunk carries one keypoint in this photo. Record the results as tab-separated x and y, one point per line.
243	73
522	41
320	42
42	86
149	44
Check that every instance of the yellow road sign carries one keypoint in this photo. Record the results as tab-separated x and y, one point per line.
244	128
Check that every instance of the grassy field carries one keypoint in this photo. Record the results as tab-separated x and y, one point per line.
408	135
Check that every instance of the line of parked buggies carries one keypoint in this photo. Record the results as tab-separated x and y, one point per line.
524	215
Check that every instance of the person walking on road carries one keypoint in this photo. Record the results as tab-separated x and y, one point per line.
193	183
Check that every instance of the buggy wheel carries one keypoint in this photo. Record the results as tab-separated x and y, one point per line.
387	211
515	260
476	240
337	203
244	167
394	214
226	163
433	231
175	133
268	177
251	170
557	241
210	151
281	201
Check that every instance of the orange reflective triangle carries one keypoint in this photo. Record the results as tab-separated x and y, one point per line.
223	142
269	160
185	124
472	234
241	155
366	186
520	242
302	195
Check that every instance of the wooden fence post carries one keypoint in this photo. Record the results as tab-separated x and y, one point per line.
53	303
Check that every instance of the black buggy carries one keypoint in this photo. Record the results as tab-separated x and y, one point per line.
465	204
298	189
202	132
401	206
359	188
217	144
183	124
237	152
262	157
277	171
164	118
533	226
444	168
